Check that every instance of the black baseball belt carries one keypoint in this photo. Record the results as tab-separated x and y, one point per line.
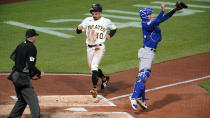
152	49
90	46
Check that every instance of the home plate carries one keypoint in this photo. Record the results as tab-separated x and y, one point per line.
76	109
73	100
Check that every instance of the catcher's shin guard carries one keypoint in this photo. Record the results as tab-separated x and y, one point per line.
142	94
141	99
139	87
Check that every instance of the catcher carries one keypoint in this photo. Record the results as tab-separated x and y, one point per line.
151	38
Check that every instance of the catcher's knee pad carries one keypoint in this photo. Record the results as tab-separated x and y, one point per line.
143	75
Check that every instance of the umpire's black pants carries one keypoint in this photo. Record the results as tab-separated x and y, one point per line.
26	96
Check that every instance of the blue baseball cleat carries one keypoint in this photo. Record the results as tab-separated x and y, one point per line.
142	103
133	103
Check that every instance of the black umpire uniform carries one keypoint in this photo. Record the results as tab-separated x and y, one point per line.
24	69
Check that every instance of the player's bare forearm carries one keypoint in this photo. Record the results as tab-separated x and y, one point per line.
163	6
108	37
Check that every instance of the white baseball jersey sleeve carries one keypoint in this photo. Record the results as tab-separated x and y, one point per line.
96	29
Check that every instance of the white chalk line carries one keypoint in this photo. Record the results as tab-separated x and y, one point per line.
161	87
72	113
76	109
41	29
59	74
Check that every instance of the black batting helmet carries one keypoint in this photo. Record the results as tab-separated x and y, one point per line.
96	8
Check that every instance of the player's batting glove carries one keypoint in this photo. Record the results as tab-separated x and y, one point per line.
180	5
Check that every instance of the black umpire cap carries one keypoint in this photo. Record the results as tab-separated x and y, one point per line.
31	33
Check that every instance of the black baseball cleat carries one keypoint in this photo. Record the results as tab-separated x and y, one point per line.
94	92
104	82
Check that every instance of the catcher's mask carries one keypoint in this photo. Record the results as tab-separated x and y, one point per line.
96	8
144	13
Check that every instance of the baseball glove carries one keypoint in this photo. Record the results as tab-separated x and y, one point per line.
180	5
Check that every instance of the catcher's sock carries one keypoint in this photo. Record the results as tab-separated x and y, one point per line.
94	78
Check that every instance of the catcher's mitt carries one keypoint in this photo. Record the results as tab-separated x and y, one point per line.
180	5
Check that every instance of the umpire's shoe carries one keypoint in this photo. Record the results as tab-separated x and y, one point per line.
94	92
105	81
133	103
141	103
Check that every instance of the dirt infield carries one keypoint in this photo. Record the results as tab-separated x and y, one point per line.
184	99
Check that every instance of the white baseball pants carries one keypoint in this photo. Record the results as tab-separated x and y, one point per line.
146	57
94	56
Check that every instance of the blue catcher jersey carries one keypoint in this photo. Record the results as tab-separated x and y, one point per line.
151	30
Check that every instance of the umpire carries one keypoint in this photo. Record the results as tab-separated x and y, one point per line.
24	69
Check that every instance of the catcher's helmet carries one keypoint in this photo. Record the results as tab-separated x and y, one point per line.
145	12
96	8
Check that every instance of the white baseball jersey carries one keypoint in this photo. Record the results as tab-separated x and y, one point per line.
96	29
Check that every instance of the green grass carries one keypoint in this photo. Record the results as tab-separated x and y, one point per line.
205	85
182	35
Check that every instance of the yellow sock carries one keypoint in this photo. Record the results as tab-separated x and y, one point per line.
104	78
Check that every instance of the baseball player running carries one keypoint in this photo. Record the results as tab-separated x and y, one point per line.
96	28
151	38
